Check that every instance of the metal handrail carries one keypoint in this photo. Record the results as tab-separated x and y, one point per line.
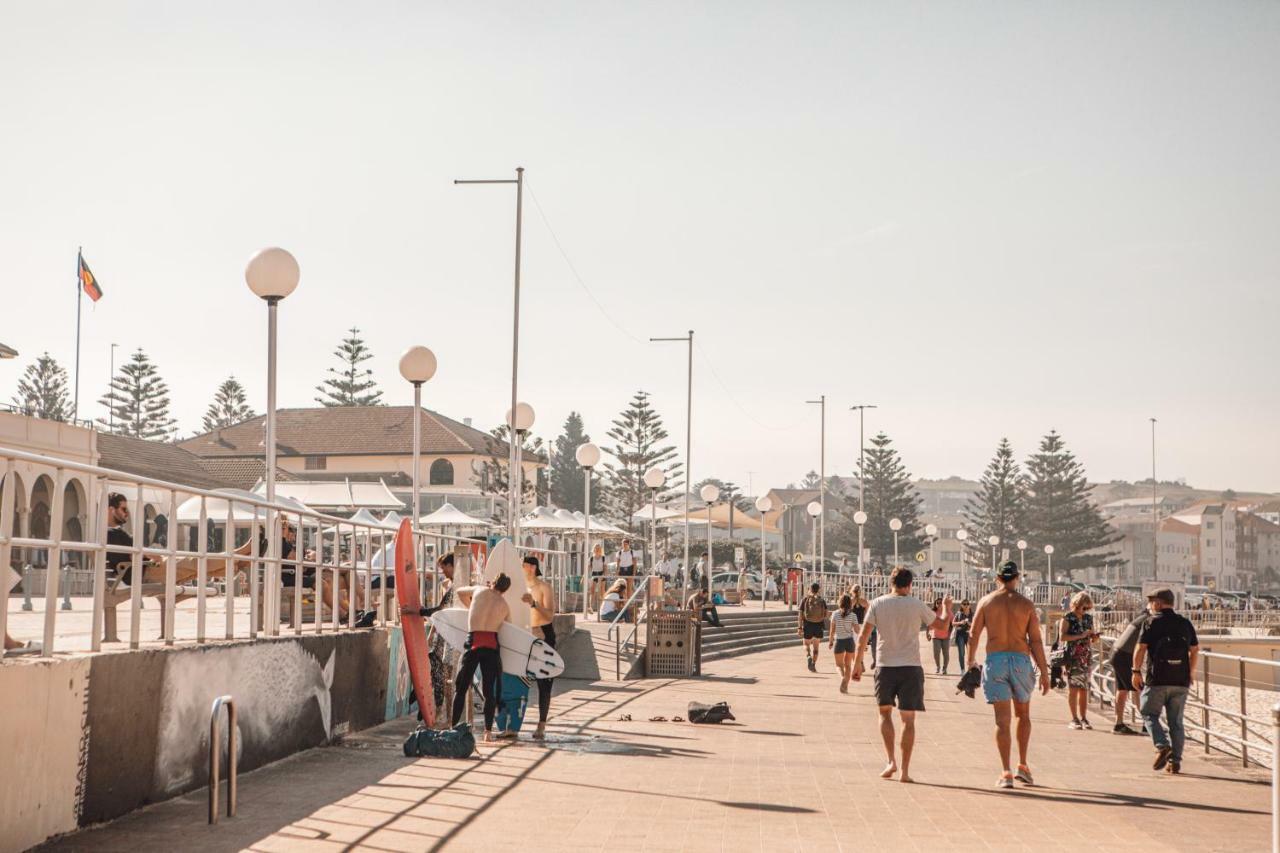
616	632
640	588
215	756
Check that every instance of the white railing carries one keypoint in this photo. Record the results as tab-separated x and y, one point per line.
331	547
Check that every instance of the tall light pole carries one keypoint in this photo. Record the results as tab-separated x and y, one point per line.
688	451
815	510
961	536
821	402
931	530
1022	554
519	422
1048	555
993	541
895	524
709	493
111	410
860	519
653	478
862	478
418	365
272	274
588	456
512	523
763	504
1155	510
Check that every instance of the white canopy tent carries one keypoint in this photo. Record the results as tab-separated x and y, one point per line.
544	518
338	495
188	511
646	513
449	515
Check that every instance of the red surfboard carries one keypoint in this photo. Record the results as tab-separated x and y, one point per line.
412	625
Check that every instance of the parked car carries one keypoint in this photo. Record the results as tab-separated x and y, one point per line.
750	587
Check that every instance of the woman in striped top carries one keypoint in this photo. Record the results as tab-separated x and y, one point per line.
844	635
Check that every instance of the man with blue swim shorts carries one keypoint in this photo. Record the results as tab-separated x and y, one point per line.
1009	620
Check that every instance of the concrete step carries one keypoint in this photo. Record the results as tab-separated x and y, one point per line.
750	648
710	644
727	615
730	629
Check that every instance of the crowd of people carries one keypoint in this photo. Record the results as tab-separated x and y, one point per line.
999	647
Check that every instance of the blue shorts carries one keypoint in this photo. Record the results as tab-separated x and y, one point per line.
1008	675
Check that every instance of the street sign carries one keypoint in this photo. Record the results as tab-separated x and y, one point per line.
921	556
740	556
799	557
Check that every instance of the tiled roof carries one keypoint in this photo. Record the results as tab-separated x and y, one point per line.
240	472
157	460
342	431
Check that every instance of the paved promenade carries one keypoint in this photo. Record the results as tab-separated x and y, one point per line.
797	771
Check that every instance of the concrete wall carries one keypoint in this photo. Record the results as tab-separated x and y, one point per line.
92	738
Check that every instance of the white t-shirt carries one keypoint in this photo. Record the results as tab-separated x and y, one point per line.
626	559
898	620
611	604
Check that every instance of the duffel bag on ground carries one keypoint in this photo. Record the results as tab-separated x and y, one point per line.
457	742
719	712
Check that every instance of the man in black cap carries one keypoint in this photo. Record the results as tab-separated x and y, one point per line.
1013	639
1162	668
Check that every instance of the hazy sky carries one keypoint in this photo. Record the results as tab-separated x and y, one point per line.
988	219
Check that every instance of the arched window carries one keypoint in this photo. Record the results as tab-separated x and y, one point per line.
441	473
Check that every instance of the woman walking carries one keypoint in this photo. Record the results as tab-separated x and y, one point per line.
1076	631
941	638
844	635
960	624
860	605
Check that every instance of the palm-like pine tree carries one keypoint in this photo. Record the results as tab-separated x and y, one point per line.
890	495
42	390
997	508
138	400
567	488
229	406
1060	512
639	445
350	385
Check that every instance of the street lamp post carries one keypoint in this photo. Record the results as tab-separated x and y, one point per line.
418	365
1155	510
111	410
1022	554
862	479
931	530
709	493
272	274
1048	555
993	541
588	456
688	450
895	524
763	504
821	538
653	478
860	519
961	536
512	522
814	509
519	422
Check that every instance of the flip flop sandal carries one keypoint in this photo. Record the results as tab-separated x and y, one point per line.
657	719
677	719
625	718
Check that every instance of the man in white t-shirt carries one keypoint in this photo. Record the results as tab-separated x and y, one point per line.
626	559
897	619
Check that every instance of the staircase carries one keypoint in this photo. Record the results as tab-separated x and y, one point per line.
746	631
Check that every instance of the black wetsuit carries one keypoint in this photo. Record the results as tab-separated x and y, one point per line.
544	684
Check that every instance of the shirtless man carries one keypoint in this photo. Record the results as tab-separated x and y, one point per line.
542	614
1013	639
486	611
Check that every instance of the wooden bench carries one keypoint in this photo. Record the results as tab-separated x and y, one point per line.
118	592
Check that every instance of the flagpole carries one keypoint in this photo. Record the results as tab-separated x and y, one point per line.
75	415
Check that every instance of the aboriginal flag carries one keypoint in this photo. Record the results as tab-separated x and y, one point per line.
90	284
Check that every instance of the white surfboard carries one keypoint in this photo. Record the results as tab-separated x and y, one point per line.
504	559
523	654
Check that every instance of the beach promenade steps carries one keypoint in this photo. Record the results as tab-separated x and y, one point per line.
748	630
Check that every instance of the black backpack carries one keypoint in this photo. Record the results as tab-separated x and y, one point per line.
1170	662
717	713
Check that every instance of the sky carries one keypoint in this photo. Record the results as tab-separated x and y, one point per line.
988	220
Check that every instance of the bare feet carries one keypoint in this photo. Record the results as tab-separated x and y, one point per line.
540	733
488	737
905	778
889	770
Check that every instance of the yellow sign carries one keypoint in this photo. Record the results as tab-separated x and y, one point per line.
799	557
921	556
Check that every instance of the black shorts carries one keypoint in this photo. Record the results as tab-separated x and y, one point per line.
902	686
1122	663
844	646
813	630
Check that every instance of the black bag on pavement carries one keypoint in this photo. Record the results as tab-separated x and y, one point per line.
717	713
457	742
970	681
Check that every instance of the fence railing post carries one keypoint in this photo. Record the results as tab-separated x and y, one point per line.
1244	724
1275	778
1204	698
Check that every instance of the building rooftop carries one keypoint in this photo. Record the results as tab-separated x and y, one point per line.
158	460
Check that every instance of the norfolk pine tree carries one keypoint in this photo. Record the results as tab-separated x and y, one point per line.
567	490
229	406
997	507
1061	513
350	385
139	400
890	495
639	445
42	390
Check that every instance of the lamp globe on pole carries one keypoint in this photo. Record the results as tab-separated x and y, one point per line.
931	530
272	274
588	456
961	536
654	478
418	365
710	493
895	524
814	509
1048	555
764	504
519	420
1022	554
993	541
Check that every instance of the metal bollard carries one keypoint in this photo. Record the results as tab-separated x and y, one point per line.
26	588
1275	779
215	756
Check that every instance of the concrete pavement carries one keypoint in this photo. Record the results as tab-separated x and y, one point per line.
797	771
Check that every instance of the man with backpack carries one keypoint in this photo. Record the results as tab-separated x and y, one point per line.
1162	669
813	618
